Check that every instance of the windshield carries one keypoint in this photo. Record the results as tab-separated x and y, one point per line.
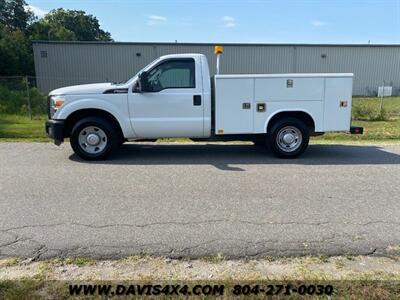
129	80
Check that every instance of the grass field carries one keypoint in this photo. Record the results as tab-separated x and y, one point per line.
373	131
364	109
21	128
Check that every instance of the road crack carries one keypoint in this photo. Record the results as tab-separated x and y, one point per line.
319	223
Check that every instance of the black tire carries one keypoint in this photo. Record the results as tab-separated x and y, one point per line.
291	125
110	142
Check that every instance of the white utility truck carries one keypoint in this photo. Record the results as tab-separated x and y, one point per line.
174	96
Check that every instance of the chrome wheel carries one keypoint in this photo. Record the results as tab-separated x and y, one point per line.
92	139
289	139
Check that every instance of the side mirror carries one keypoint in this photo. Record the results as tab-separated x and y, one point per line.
143	82
136	87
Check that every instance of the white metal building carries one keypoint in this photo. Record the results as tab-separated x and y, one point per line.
60	64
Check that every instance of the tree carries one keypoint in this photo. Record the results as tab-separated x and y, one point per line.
13	14
15	48
76	25
15	53
19	26
45	31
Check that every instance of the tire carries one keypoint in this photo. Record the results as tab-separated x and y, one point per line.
94	138
288	138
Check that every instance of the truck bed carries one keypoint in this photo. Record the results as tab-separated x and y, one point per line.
245	103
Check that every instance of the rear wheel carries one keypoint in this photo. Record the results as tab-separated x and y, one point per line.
288	138
94	138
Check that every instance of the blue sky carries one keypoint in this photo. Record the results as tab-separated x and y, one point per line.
252	21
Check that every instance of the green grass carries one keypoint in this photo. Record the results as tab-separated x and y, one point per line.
390	104
21	128
79	261
388	130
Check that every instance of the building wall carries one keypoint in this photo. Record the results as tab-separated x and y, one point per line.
69	63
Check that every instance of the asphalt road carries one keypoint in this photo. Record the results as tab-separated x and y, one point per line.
195	200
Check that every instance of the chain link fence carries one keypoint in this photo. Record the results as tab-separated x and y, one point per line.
19	95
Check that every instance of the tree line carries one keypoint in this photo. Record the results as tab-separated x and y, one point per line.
19	27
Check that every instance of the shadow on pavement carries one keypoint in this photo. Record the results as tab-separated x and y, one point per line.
224	156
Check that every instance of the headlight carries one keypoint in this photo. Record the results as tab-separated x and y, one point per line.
55	103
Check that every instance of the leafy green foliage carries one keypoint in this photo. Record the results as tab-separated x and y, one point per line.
14	15
61	24
42	30
15	101
364	111
19	26
15	52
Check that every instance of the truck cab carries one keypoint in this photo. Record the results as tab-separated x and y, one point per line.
174	96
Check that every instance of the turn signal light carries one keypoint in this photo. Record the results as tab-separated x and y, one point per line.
58	103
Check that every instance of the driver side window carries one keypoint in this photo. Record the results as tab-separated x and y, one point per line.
177	73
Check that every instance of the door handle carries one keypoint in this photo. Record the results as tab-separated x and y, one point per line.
246	105
196	100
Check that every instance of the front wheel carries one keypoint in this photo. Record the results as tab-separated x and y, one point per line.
94	138
288	138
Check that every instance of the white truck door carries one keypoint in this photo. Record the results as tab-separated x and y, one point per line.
174	108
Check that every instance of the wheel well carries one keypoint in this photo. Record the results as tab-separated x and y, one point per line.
83	113
301	115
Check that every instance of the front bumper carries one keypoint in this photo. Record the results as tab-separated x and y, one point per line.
55	129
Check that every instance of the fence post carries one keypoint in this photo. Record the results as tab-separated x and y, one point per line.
29	97
381	103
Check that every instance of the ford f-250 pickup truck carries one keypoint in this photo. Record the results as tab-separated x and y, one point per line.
174	96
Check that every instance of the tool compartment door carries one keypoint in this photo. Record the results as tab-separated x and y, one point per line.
338	94
234	105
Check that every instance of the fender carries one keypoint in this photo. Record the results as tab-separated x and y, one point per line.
115	109
317	125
